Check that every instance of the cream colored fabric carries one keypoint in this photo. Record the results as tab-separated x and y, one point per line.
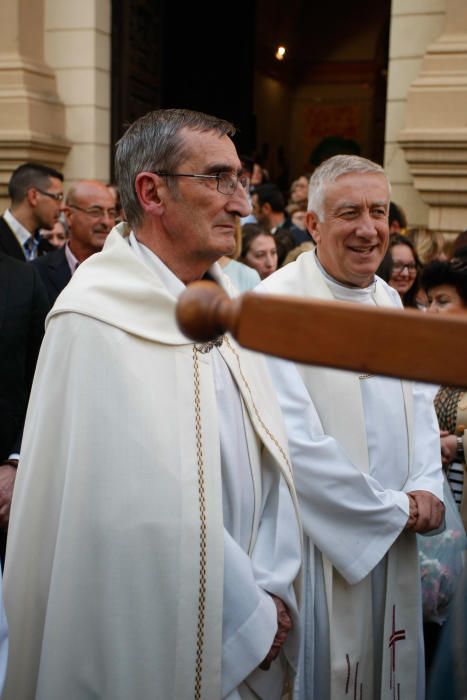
337	398
145	543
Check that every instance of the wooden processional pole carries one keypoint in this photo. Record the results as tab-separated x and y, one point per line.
397	343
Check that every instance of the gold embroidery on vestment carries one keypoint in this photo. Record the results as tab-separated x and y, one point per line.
203	528
264	426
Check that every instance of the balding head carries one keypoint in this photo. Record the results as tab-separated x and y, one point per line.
90	211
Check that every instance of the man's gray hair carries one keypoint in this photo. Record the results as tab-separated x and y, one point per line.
330	170
152	143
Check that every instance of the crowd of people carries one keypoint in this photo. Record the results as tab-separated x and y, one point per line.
191	519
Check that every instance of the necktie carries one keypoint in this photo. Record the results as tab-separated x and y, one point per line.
30	247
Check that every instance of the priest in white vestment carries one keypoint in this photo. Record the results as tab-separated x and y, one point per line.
154	541
366	457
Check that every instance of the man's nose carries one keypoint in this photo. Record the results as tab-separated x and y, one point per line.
366	225
108	220
238	202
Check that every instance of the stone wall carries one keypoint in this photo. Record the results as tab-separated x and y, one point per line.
414	25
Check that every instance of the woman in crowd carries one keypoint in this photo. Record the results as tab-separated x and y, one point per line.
299	190
397	219
243	276
58	235
297	213
459	242
405	269
429	245
446	286
259	175
259	250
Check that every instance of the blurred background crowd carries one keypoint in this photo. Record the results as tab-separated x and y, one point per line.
46	233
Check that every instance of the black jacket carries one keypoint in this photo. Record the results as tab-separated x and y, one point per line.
10	245
54	271
23	308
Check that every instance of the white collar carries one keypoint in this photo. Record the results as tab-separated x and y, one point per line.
345	292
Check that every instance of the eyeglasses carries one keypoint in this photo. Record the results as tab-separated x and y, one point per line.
58	196
400	267
96	212
227	183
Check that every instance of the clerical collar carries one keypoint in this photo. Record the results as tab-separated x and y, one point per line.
371	287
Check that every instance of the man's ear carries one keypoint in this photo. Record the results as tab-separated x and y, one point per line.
312	224
32	197
149	190
67	212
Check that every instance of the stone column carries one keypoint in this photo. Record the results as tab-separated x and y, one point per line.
32	118
77	46
435	135
415	24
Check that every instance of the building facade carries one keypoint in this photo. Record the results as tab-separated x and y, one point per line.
58	66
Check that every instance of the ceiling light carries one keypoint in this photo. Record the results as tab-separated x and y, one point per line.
280	53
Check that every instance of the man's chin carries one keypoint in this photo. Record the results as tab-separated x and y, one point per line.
99	241
228	248
362	277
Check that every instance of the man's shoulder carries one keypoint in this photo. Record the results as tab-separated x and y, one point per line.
8	240
390	292
9	244
289	279
4	226
299	235
17	267
22	279
52	259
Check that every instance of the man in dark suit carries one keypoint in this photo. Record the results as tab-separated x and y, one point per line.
23	308
90	211
36	193
269	209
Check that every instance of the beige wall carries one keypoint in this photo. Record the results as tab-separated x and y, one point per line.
55	61
414	25
77	47
32	118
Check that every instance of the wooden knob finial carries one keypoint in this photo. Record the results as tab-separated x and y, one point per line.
204	312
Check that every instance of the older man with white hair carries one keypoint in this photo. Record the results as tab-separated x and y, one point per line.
365	451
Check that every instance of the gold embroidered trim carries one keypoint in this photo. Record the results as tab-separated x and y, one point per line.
203	528
264	426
